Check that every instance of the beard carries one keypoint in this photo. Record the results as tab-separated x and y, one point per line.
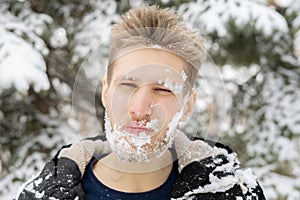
140	149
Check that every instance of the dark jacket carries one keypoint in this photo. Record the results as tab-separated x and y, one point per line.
215	177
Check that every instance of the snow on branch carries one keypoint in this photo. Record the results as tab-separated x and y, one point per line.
20	64
213	15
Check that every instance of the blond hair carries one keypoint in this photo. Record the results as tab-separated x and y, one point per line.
151	26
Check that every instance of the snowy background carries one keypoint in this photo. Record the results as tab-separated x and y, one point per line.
254	44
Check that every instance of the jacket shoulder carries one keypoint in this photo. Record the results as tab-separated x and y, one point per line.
216	176
60	178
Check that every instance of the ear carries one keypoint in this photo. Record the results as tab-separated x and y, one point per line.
104	91
189	106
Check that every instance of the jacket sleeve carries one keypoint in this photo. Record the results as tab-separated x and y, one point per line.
59	179
217	177
61	176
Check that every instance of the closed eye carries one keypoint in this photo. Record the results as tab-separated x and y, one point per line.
163	90
128	84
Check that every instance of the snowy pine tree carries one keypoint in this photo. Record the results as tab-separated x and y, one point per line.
42	46
254	44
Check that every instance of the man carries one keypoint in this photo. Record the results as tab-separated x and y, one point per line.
154	59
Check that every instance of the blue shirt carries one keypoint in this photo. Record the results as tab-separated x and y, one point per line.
95	190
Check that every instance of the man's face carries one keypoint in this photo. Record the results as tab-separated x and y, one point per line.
144	102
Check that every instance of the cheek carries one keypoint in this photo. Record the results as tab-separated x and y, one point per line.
117	104
171	107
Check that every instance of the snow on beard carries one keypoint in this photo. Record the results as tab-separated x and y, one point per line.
141	137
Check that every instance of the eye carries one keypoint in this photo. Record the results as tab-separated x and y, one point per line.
164	91
128	85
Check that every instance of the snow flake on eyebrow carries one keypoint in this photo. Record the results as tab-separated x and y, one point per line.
167	70
129	77
174	87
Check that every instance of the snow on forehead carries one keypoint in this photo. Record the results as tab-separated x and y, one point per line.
168	70
154	73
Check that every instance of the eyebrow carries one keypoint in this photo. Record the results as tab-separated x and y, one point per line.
126	77
133	78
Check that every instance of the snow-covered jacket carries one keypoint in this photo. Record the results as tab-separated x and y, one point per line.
207	170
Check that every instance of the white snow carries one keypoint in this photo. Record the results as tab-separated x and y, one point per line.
175	87
183	76
294	8
21	65
21	61
217	185
275	184
153	124
248	178
29	169
94	28
212	15
156	46
59	38
283	3
39	195
53	198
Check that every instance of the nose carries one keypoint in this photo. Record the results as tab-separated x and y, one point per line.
140	103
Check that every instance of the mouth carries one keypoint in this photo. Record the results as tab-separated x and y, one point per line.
138	128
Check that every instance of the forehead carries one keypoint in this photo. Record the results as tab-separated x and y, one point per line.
147	57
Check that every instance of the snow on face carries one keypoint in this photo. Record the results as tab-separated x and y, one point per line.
153	124
156	89
142	147
145	102
175	87
183	76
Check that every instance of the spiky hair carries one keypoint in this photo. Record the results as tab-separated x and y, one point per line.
149	25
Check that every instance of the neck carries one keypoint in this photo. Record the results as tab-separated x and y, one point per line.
114	163
130	177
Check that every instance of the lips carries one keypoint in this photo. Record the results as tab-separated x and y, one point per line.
137	128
